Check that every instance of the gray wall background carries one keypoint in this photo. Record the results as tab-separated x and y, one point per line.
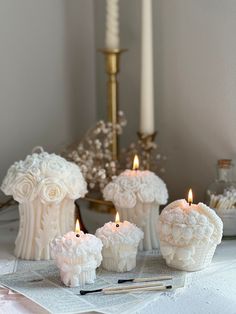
52	82
47	82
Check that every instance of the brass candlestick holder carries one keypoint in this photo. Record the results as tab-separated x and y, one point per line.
112	66
98	152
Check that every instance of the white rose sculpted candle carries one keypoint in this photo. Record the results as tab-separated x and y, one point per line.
120	244
77	255
137	196
189	234
46	186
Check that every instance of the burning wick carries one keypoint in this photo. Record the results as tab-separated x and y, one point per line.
117	220
136	163
190	197
77	228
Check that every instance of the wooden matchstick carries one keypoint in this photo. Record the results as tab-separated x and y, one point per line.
126	288
159	278
145	285
157	288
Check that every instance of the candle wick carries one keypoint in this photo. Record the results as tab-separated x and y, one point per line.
117	225
190	203
77	235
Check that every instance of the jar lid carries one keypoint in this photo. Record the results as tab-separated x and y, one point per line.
225	163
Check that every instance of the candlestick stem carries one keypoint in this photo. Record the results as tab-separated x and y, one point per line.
112	66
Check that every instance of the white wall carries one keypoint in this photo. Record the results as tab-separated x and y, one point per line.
47	75
195	79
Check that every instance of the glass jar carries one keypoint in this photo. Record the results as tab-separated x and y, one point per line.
221	196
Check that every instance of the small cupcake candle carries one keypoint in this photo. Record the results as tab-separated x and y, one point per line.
189	234
120	245
77	255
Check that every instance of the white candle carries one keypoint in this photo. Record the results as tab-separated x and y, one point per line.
112	40
137	196
147	92
46	187
120	244
189	234
77	255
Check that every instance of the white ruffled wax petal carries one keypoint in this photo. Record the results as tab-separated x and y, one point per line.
127	188
187	233
166	229
191	219
126	233
176	232
48	175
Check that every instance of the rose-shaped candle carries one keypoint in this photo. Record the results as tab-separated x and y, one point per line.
46	186
120	244
189	234
137	196
77	255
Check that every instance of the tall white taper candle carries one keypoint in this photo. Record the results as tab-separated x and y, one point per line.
147	92
112	40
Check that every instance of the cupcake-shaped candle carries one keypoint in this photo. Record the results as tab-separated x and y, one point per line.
120	244
77	255
189	234
137	196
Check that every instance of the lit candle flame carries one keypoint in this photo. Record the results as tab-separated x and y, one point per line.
117	219
136	163
190	197
77	226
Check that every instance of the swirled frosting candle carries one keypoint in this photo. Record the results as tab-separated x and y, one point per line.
189	234
137	196
46	186
77	255
120	244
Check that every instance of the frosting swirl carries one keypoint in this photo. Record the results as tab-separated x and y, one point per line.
76	254
181	224
125	233
130	186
